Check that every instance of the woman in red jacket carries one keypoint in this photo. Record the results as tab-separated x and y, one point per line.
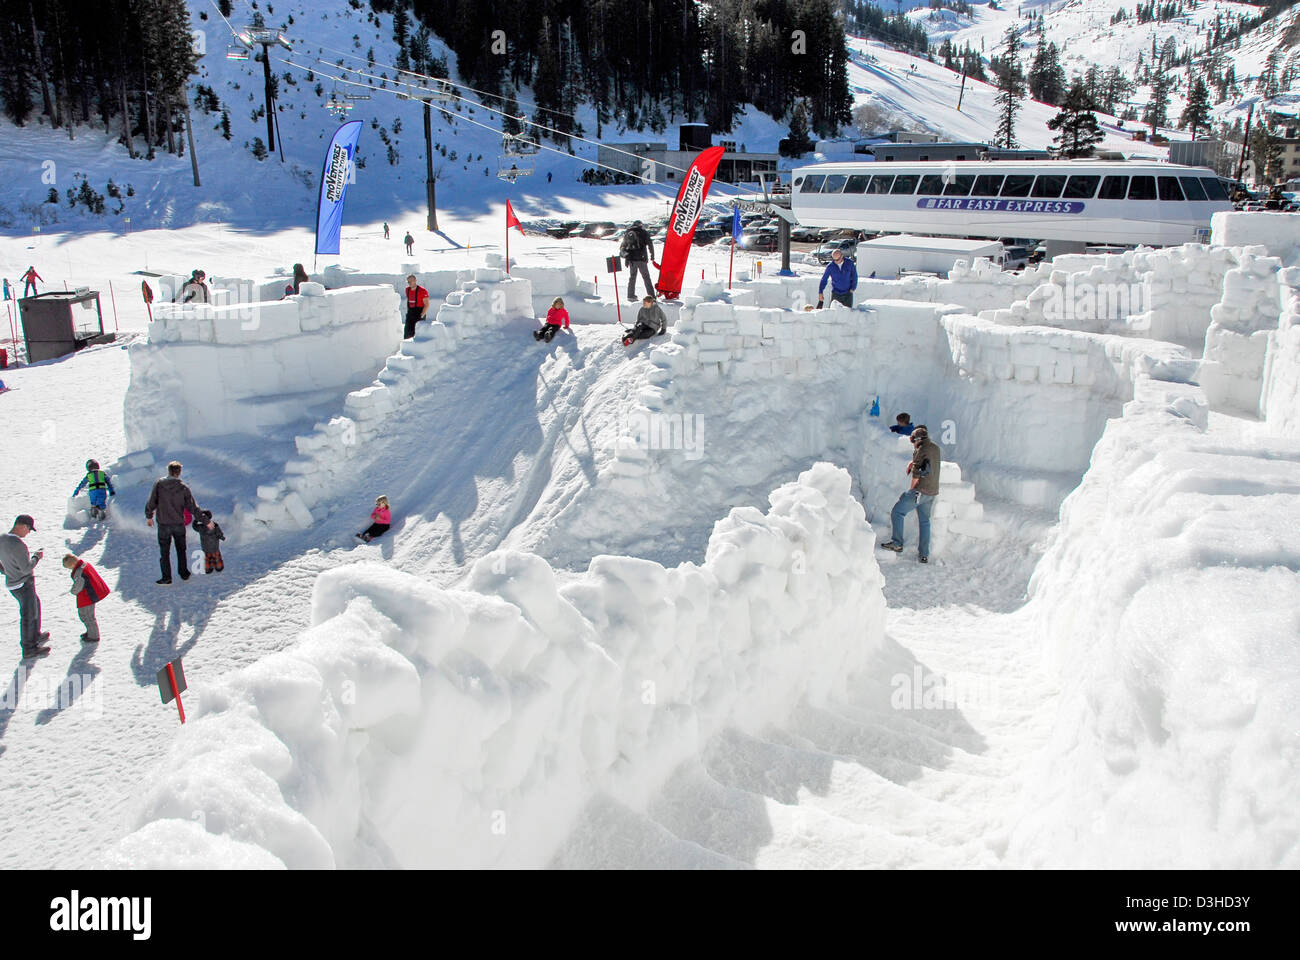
556	317
90	588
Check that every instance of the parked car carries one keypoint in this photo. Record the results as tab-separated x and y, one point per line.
1017	258
823	253
705	235
762	242
562	230
805	234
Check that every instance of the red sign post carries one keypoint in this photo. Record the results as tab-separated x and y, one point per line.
171	684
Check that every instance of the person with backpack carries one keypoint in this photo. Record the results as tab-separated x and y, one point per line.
920	494
650	322
556	317
100	488
637	250
410	243
90	588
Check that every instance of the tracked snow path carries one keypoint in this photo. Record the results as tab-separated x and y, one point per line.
465	466
912	770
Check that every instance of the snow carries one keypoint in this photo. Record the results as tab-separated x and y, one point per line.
630	612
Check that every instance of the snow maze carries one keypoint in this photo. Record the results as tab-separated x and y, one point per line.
667	547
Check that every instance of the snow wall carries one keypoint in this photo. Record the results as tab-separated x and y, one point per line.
1280	388
419	727
1166	604
209	371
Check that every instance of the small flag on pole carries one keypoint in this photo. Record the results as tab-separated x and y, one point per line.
735	223
511	219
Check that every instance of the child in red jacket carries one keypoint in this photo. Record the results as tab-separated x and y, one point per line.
382	519
90	588
556	317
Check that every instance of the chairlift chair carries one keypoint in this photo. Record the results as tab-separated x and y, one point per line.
517	145
237	52
512	168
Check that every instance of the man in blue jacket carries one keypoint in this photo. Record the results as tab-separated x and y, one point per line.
843	276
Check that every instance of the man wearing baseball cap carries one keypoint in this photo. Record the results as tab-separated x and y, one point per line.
20	579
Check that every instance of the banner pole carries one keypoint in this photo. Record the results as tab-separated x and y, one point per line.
731	262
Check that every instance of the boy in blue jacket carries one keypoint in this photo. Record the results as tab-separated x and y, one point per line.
101	487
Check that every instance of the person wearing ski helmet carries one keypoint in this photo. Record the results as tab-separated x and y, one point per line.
100	488
650	322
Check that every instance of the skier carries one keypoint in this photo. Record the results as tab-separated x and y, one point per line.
171	500
650	322
920	494
556	317
548	176
18	568
637	249
210	537
90	588
410	243
843	277
100	487
417	305
299	277
382	519
385	229
29	281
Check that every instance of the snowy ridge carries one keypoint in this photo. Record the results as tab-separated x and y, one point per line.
414	726
1176	692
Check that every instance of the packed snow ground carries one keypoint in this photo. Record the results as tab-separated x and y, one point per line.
1003	681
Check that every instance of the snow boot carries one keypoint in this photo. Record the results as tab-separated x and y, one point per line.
628	339
891	545
37	653
164	581
923	558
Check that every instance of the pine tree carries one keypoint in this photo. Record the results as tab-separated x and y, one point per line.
1011	87
510	115
1077	132
1157	110
1196	115
797	141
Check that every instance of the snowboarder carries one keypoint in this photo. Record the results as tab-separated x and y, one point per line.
100	489
210	537
410	243
556	317
903	425
385	229
417	305
650	322
299	277
920	494
19	570
843	277
637	249
29	281
381	519
90	588
171	499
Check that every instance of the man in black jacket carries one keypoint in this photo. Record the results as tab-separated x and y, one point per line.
637	250
169	499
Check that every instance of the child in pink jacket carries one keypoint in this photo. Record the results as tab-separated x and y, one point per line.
382	519
556	317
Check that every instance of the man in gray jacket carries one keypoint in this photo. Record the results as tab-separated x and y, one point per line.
920	494
169	499
20	579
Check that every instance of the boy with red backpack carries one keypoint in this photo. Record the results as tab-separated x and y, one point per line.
90	588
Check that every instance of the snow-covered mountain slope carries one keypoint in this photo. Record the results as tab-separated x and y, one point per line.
1085	36
913	93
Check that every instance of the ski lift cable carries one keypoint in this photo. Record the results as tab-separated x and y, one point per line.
455	116
539	126
446	80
